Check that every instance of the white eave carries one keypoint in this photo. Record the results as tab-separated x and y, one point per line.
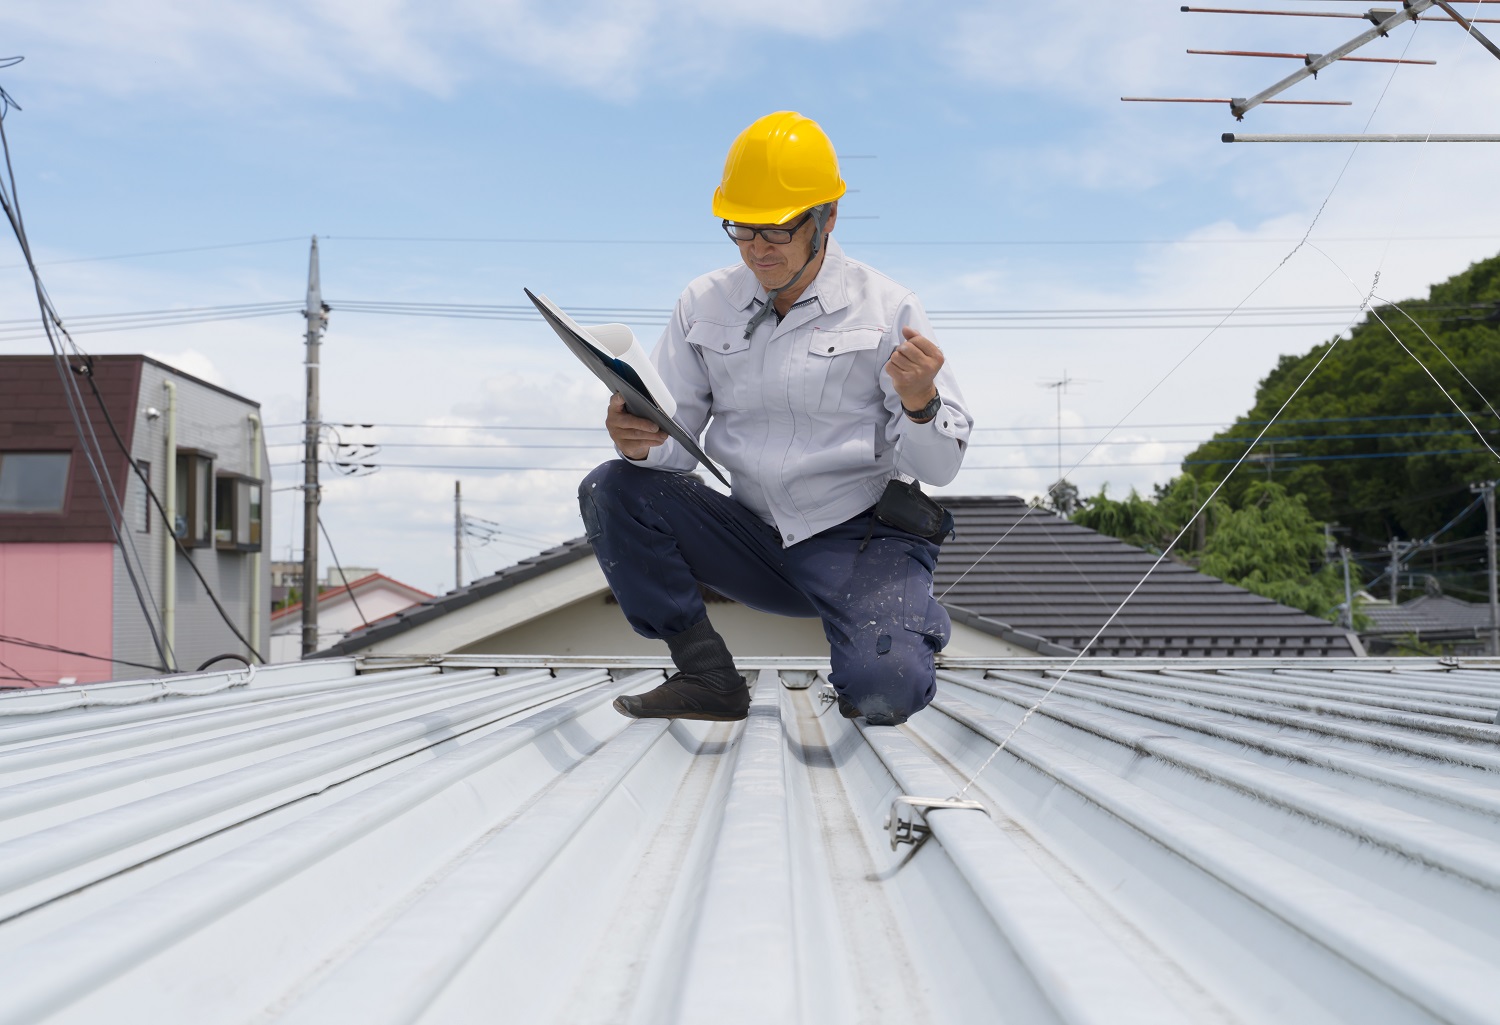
479	839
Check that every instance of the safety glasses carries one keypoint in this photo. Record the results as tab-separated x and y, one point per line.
776	236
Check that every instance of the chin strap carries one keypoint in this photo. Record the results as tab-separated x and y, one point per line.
820	218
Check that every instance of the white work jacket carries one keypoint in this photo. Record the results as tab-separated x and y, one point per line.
802	413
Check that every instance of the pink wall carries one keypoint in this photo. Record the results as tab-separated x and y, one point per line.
59	594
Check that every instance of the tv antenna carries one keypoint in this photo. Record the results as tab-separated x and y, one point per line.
1059	387
1384	20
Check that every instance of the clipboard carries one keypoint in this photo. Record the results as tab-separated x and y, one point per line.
620	378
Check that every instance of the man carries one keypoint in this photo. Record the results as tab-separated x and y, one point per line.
818	384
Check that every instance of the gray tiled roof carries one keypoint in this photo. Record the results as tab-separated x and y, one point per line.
527	569
1046	587
1039	574
1429	616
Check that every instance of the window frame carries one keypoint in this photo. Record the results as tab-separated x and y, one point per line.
194	512
243	536
61	508
145	479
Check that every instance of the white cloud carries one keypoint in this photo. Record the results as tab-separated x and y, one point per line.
219	51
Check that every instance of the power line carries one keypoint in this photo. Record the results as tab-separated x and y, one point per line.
998	242
88	440
1046	427
348	584
22	642
481	468
1195	442
708	241
158	252
88	372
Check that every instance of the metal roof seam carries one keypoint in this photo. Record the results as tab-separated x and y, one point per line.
1343	923
1458	792
51	973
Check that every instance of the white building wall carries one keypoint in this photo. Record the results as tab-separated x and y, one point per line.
217	422
595	626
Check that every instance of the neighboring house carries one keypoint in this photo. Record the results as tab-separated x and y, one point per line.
366	600
1016	584
63	580
1433	621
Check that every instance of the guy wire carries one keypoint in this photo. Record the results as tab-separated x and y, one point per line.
1166	550
1220	486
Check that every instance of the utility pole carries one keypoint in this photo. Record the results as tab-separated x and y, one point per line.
1487	489
317	322
458	535
1348	616
1397	549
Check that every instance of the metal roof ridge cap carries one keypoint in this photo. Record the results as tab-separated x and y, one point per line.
1005	631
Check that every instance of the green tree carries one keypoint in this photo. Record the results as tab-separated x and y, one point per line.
1153	523
1273	547
1370	441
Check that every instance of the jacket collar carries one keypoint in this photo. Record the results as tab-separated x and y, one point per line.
829	287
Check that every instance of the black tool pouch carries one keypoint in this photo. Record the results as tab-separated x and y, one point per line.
903	506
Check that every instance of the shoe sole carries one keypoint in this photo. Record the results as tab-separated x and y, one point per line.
700	716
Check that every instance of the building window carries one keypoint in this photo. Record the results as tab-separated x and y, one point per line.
237	515
147	513
195	497
33	482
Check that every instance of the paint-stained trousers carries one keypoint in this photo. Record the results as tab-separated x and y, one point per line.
658	535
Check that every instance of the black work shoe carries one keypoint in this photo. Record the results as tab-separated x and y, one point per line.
688	696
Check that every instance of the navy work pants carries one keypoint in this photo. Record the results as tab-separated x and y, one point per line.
658	535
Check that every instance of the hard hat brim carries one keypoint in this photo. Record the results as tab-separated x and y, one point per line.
742	214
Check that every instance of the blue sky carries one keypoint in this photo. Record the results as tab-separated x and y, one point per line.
983	129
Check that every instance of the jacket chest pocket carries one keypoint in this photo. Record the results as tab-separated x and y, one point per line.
726	353
842	375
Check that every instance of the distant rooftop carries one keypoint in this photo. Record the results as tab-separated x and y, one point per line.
1040	582
1042	575
1432	617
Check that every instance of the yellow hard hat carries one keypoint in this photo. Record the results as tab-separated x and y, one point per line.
778	167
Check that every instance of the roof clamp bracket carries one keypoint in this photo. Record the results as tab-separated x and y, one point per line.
827	698
902	824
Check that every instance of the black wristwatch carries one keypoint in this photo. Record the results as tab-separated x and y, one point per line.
927	412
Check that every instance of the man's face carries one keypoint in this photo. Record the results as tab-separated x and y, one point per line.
773	265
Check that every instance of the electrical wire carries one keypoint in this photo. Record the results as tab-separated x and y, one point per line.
1046	427
348	584
22	642
88	440
167	521
1417	453
1332	346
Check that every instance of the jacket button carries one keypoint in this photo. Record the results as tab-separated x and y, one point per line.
726	346
830	348
791	537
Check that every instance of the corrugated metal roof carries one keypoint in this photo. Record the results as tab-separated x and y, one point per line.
1039	574
485	839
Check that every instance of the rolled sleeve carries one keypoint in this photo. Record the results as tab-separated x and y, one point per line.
932	452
